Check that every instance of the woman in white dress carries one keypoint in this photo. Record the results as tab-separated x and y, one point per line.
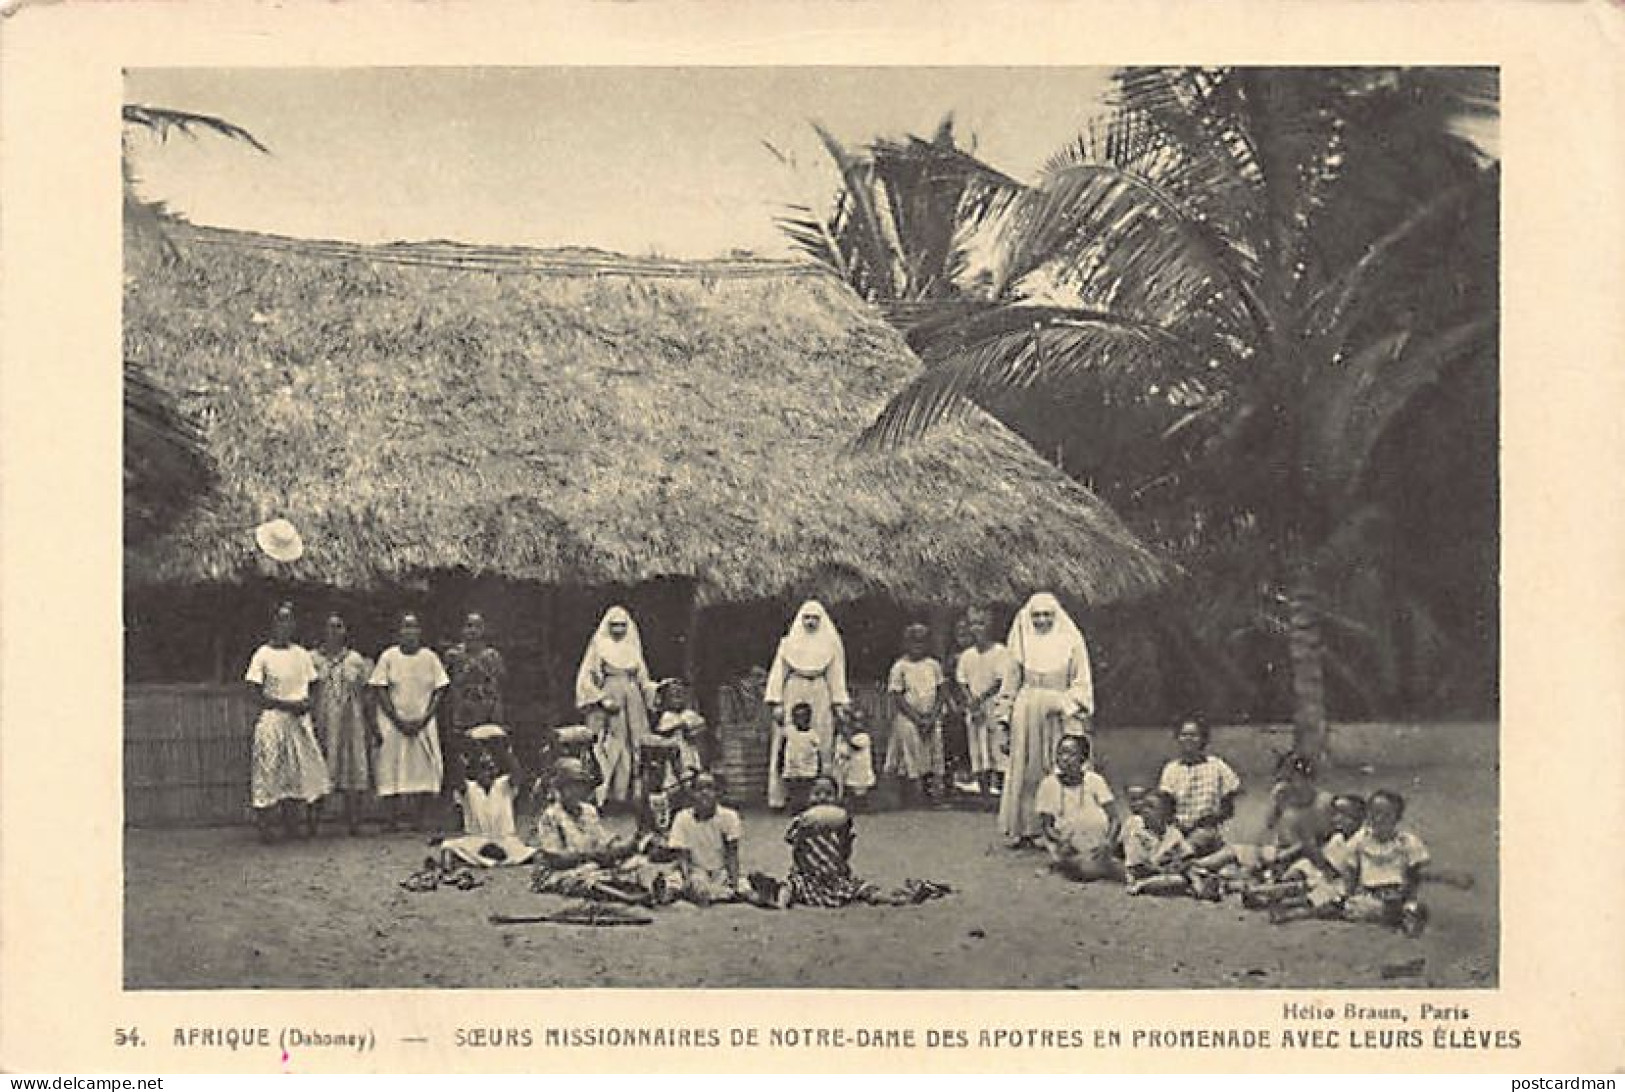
288	766
1047	660
614	693
809	666
409	681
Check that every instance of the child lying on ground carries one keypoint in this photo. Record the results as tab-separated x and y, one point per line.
1155	851
491	781
705	838
1076	808
580	859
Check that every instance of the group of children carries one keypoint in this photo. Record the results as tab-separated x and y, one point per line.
1322	856
694	856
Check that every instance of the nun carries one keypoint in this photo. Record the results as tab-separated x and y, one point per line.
1047	673
613	693
809	666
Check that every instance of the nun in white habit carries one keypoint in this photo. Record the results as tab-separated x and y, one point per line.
613	692
810	666
1048	669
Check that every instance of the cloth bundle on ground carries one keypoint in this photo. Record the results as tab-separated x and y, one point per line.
440	872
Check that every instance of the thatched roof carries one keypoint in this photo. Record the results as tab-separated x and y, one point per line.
577	417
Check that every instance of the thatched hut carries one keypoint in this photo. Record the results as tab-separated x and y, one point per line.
574	419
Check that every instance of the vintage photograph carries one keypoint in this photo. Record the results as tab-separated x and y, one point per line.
973	528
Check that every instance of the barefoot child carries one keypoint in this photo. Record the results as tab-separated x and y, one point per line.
980	673
1317	883
491	780
854	759
800	759
1388	865
1203	786
706	838
1079	820
665	757
914	753
1155	849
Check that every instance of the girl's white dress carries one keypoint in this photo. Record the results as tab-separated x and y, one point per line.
488	819
977	672
855	762
409	764
912	751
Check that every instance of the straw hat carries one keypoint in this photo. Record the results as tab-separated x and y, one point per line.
487	731
280	540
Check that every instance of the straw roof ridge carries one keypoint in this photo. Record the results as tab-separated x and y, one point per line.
583	427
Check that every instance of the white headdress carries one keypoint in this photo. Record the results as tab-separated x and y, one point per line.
1044	652
624	654
811	651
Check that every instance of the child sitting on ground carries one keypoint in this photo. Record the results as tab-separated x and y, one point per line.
1203	786
1155	849
1388	865
821	838
914	752
800	759
578	856
1075	806
854	759
490	786
1298	821
705	837
1316	884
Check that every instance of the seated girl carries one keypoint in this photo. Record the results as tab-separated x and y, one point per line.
490	785
1203	786
821	840
705	839
1076	808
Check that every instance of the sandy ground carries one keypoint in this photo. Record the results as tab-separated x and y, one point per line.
214	908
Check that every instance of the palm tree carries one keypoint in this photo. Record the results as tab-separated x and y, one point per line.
1278	261
902	217
166	469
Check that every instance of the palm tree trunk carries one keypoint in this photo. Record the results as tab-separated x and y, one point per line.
1306	651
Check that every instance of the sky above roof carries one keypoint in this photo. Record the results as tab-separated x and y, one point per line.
669	161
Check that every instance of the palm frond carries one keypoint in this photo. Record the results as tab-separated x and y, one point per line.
873	242
984	351
162	121
1354	406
